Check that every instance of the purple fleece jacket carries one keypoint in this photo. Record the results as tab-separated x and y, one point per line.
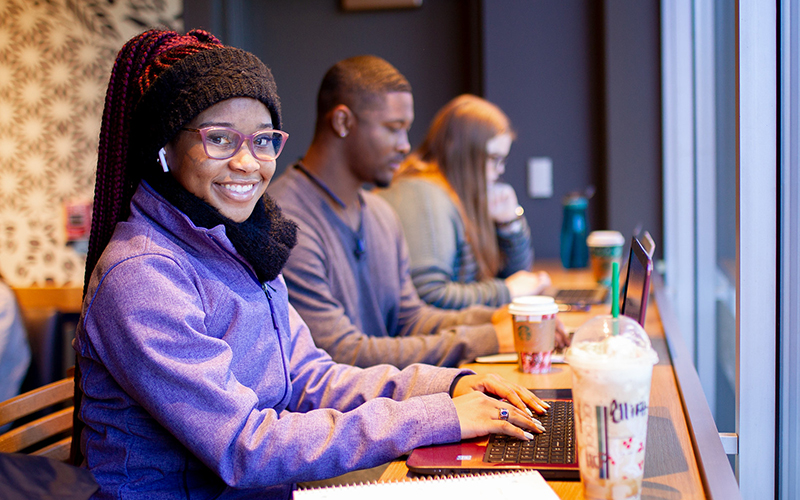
200	382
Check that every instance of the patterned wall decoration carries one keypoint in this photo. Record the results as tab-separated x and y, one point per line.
55	60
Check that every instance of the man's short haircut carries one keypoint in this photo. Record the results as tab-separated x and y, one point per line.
357	83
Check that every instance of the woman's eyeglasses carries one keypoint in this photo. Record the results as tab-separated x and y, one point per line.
221	143
497	161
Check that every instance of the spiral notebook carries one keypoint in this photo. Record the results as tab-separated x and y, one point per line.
503	485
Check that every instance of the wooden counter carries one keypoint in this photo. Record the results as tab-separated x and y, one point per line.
65	299
671	462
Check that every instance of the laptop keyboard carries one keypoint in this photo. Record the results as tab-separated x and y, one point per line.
556	445
579	296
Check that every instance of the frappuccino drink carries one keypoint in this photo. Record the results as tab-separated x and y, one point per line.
612	365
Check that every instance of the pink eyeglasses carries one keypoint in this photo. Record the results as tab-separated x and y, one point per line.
221	143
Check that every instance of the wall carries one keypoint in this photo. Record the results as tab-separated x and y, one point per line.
55	61
543	66
633	116
299	41
548	64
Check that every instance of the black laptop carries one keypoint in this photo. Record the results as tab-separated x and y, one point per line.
578	296
635	292
553	453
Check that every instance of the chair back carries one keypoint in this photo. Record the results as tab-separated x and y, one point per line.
49	435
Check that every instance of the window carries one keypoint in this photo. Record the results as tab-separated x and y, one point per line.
721	117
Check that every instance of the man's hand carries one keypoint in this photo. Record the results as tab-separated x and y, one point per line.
562	338
504	329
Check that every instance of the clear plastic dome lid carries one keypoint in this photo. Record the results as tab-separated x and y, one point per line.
605	339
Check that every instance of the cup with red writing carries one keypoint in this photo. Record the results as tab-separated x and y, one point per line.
612	366
534	323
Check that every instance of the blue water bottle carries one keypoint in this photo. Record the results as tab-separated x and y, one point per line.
574	252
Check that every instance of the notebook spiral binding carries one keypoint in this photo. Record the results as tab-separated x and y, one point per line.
472	486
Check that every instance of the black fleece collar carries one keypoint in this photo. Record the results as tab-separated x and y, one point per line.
265	239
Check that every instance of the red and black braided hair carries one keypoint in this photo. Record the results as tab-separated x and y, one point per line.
160	81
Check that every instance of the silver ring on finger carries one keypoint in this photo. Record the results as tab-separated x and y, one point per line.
503	412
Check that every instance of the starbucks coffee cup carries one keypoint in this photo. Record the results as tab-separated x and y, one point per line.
534	322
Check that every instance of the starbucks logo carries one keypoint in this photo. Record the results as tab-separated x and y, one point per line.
524	332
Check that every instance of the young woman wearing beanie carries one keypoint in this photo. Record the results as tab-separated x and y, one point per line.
196	377
468	240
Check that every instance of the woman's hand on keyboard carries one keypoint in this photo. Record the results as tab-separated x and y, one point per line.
479	415
496	385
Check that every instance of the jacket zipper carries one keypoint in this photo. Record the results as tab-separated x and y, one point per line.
266	287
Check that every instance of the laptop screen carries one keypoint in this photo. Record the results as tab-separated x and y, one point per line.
637	283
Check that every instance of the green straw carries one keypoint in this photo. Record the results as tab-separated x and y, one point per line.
615	289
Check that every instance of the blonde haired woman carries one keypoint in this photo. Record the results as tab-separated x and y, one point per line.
468	240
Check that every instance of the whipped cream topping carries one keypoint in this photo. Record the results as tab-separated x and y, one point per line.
613	350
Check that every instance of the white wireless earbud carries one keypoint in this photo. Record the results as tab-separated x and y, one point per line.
163	159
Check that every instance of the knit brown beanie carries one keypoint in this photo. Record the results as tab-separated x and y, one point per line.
191	86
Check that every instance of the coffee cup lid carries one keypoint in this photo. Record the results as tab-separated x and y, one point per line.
533	305
605	239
